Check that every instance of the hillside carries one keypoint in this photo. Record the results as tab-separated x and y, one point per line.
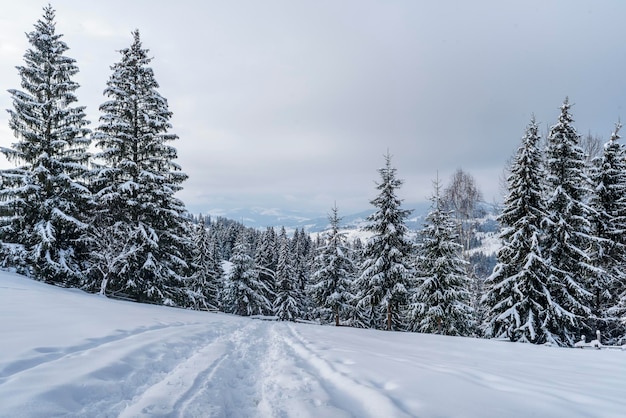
67	353
311	222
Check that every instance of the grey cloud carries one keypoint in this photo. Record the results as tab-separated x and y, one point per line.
293	104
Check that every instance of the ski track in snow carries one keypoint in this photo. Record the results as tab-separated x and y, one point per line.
189	370
363	397
192	388
51	354
97	375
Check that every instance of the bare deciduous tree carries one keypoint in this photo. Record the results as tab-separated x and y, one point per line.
592	146
462	196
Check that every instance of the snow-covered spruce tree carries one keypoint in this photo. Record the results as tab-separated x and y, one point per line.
384	283
215	265
568	240
441	300
288	302
461	197
358	316
136	178
518	298
205	283
244	293
609	225
228	235
332	281
44	202
265	258
301	245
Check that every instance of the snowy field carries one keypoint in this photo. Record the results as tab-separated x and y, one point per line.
66	353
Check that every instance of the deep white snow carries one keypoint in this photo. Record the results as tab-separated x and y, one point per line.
67	353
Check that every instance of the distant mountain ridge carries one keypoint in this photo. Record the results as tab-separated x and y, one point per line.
312	222
257	217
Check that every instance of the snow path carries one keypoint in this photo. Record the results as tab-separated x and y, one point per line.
189	370
102	374
366	399
66	353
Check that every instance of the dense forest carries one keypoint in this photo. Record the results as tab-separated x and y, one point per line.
109	222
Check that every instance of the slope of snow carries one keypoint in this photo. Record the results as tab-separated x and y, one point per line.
66	353
490	243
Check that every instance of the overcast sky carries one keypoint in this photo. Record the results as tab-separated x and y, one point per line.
292	104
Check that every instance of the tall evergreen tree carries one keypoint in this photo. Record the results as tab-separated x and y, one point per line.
358	316
518	295
265	258
383	286
215	265
332	281
204	285
288	302
136	179
301	249
44	201
567	233
441	298
609	225
244	293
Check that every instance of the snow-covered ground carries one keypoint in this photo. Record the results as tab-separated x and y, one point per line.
66	353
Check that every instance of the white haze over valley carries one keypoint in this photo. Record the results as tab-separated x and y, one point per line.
71	354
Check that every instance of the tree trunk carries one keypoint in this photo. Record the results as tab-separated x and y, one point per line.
103	285
336	316
389	317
